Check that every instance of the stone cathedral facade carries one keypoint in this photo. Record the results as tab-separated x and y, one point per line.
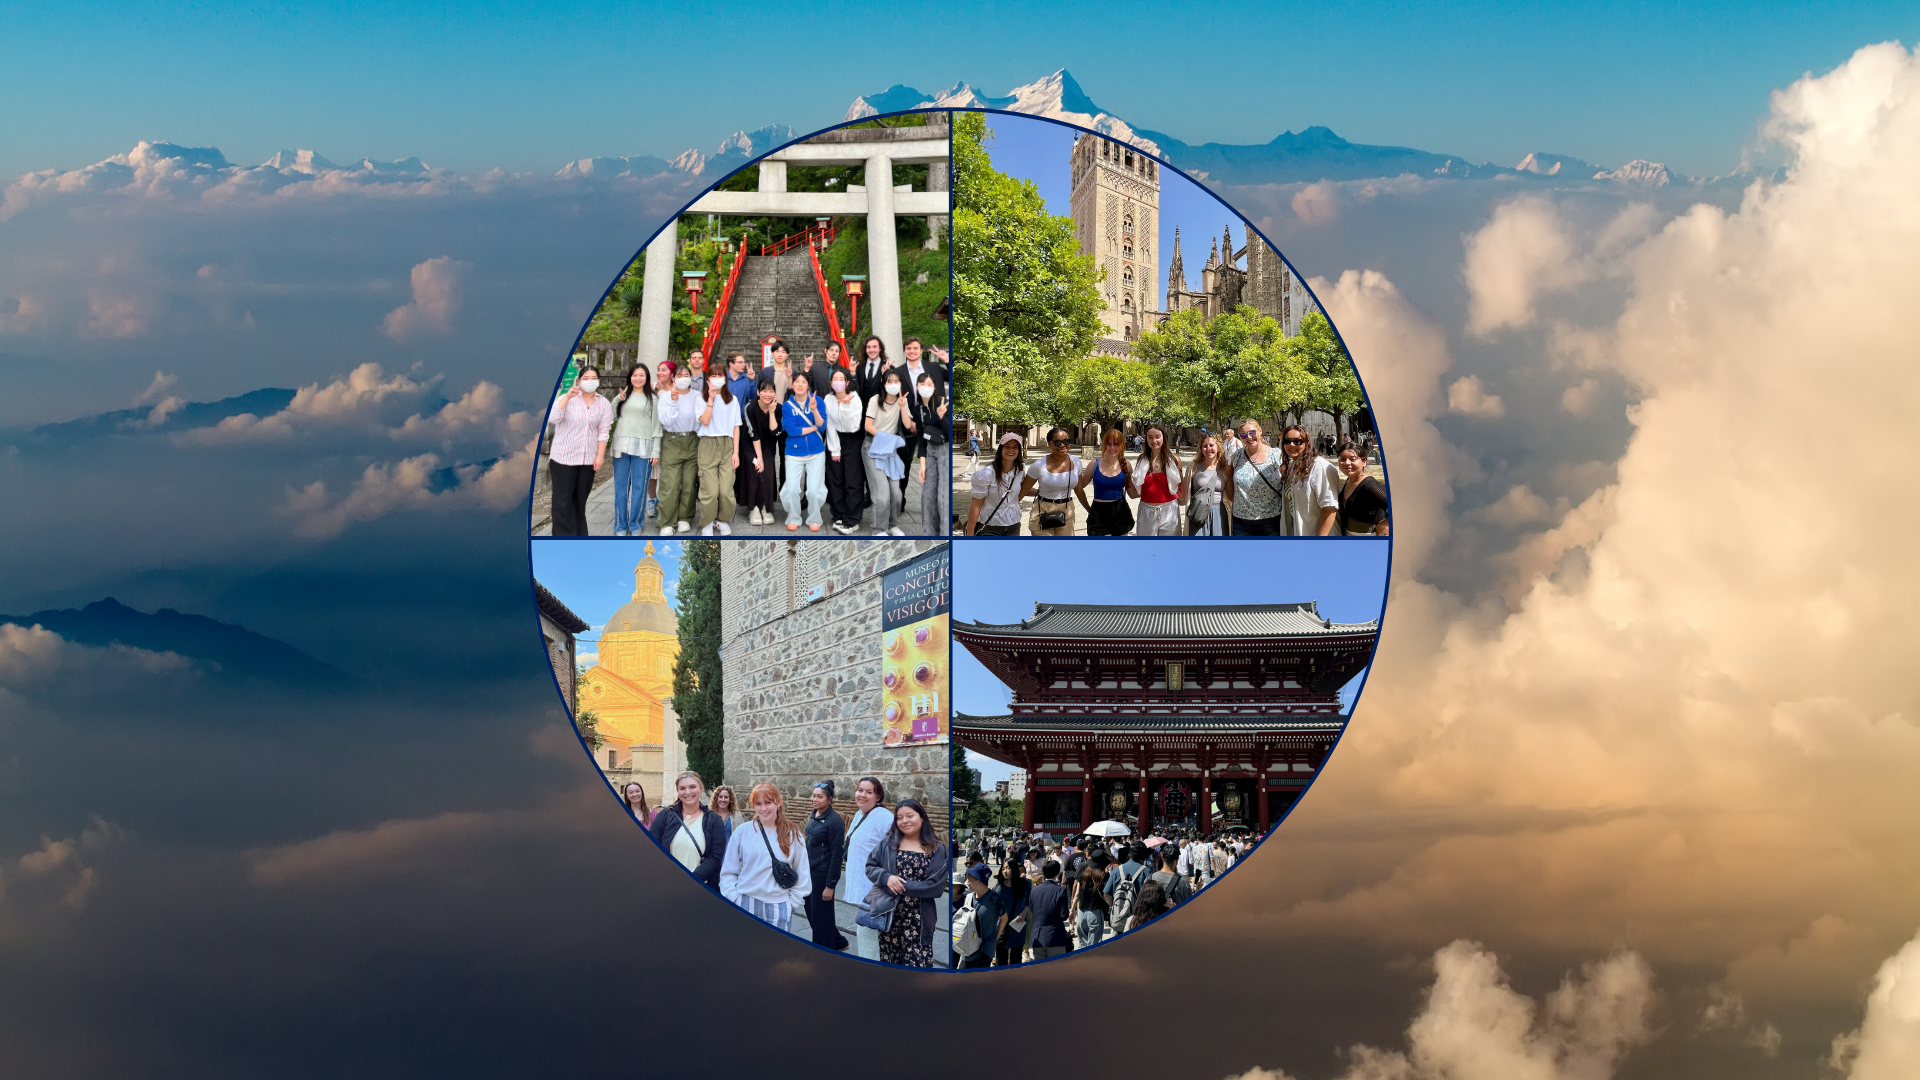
1116	219
1116	210
1266	283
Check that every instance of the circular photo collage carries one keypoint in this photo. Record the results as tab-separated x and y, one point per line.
792	530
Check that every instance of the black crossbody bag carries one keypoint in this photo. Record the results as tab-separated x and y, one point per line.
784	875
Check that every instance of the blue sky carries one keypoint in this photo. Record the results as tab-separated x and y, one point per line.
595	576
1000	582
1037	150
528	87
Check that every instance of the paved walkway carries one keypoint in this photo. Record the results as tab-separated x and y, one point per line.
843	917
600	513
964	465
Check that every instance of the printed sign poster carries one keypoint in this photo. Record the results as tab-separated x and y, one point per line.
916	601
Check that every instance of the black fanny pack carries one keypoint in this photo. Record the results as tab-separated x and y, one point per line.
784	875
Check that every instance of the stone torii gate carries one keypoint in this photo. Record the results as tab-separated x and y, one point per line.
879	149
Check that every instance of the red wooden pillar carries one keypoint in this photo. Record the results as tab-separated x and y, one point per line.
1206	801
1026	806
1146	807
1262	781
1086	800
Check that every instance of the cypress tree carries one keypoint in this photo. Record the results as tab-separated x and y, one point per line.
696	672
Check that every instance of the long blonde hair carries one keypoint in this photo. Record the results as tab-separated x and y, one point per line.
782	828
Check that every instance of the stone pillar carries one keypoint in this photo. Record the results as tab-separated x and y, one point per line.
656	299
773	176
937	224
883	257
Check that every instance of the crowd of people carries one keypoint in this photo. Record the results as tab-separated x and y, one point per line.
890	863
1031	898
1241	486
828	439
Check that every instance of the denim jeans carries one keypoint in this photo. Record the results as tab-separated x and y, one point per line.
936	490
630	476
809	471
1089	928
885	493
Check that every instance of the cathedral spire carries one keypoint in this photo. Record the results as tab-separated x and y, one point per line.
1176	270
1226	244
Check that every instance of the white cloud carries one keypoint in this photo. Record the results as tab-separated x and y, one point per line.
387	487
483	409
1524	250
1468	395
436	299
32	656
1579	398
1474	1026
1520	506
1886	1045
1316	204
355	397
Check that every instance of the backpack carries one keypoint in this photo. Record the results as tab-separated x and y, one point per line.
1124	895
966	930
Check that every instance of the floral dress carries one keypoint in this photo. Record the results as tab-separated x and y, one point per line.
903	942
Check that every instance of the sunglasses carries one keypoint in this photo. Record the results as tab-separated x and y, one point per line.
1249	434
1058	442
1293	442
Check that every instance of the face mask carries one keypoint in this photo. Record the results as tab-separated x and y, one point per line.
839	386
926	392
893	389
682	382
716	382
589	385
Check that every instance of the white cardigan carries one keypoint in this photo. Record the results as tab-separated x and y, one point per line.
747	871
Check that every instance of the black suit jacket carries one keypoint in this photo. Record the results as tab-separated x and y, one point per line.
868	387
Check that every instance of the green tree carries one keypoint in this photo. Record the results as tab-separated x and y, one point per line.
1336	387
696	672
1025	301
964	778
1236	364
587	722
1109	389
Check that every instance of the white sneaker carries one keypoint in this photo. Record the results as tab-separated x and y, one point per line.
896	531
725	529
843	530
685	527
707	531
759	517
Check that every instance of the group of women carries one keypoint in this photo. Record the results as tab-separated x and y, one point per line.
895	865
1247	488
702	444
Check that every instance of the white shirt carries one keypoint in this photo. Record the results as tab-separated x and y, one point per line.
726	417
688	840
1057	486
748	871
863	835
842	419
681	417
1318	491
1007	512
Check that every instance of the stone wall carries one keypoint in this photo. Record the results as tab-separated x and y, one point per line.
802	680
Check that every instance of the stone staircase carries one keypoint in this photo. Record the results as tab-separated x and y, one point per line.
776	294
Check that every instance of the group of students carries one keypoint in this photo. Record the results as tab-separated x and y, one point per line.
890	863
1039	899
1245	488
693	443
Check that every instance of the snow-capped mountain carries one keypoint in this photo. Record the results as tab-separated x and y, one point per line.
1640	172
1056	97
1315	153
1560	165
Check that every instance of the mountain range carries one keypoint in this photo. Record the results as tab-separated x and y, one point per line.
228	651
1312	154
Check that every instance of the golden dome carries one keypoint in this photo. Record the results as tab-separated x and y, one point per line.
648	609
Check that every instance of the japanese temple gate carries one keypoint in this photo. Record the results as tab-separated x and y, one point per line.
880	201
1200	717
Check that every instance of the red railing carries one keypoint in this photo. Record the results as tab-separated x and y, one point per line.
823	234
712	337
826	302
